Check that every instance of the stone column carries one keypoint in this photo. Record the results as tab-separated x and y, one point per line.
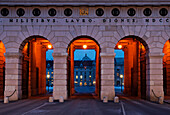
154	76
13	75
107	75
60	75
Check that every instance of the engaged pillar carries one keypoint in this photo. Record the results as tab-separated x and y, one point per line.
60	76
13	75
107	76
154	77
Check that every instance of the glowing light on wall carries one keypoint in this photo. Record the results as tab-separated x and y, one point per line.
80	83
81	76
76	76
49	46
120	46
85	46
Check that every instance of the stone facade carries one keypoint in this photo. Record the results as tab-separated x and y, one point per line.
107	30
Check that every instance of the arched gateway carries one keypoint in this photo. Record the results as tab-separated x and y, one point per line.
107	24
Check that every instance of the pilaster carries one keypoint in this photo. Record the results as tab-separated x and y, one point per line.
107	76
154	77
13	75
60	75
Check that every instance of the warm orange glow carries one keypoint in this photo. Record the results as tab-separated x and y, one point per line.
121	76
49	46
84	46
120	46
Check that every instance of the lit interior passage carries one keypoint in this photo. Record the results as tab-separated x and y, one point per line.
84	71
2	70
119	70
134	76
34	67
49	69
83	67
166	68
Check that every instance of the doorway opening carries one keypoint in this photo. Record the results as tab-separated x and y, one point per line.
166	68
2	70
130	67
83	68
34	67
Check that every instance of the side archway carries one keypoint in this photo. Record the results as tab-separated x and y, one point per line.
34	67
132	73
2	70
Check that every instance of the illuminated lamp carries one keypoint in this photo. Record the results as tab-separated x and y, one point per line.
49	46
84	46
120	46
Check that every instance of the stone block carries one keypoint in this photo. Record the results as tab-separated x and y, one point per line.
107	82
12	28
57	95
61	99
60	77
107	60
60	66
59	88
51	99
108	66
60	71
116	99
160	100
107	71
105	99
109	94
107	77
6	99
60	82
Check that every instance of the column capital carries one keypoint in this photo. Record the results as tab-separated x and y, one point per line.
59	54
13	54
107	54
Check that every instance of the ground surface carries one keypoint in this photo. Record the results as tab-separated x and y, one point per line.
83	106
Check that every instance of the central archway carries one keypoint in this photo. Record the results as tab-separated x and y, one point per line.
80	73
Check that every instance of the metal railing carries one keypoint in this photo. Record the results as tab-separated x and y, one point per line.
11	94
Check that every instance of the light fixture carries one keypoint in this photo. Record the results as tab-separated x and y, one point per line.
49	46
48	76
120	46
121	76
84	46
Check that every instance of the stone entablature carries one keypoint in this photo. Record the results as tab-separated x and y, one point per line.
84	2
85	16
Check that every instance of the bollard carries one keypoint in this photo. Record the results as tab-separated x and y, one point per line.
160	100
116	99
61	99
105	99
51	99
6	99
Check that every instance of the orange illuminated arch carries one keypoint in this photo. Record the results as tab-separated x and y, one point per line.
82	42
2	69
135	54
